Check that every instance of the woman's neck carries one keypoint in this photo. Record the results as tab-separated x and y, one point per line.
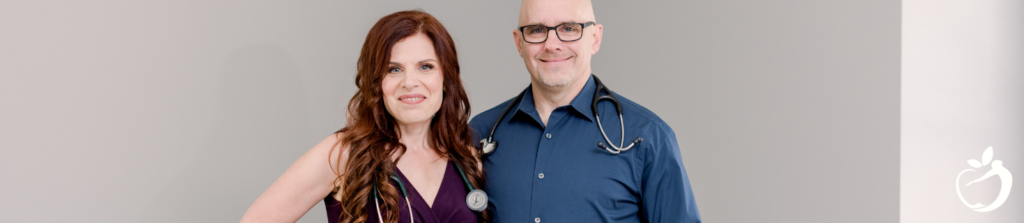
415	136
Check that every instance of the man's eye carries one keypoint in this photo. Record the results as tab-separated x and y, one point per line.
426	67
537	30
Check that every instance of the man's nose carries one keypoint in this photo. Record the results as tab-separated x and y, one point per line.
553	43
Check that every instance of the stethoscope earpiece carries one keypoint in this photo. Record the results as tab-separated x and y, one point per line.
600	144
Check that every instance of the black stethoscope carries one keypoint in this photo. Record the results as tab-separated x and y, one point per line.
476	199
488	145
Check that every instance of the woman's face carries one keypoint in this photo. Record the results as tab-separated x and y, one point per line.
413	83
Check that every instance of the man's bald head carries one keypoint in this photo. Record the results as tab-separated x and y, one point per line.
558	62
531	11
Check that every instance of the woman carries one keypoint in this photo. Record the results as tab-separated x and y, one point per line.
408	121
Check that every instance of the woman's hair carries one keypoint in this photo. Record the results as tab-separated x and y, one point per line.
372	135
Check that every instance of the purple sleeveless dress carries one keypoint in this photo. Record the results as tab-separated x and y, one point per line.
449	204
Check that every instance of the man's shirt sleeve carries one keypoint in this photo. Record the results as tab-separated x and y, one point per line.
666	196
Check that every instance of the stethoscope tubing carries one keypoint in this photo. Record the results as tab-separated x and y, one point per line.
405	194
476	199
489	145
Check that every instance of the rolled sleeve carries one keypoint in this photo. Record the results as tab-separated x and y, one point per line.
666	196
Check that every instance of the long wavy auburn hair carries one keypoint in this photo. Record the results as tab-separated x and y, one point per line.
372	135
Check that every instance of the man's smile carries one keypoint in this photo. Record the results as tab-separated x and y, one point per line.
555	59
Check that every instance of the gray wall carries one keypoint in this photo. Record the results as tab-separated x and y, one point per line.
185	111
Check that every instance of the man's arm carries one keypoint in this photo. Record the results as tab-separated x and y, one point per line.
666	196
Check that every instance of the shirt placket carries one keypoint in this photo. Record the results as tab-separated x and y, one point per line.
548	142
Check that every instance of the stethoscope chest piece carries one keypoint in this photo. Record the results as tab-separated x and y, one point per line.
476	200
487	146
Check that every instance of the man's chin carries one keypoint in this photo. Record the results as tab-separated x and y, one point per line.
558	80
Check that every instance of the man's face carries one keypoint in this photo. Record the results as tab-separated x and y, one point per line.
554	62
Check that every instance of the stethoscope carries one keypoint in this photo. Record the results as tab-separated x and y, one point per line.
476	199
488	145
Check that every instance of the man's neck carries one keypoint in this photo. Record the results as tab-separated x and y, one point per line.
546	98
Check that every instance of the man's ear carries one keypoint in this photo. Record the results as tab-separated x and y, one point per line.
516	36
598	32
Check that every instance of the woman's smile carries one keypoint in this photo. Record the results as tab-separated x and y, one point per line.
412	99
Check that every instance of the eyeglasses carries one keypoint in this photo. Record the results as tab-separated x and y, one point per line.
566	32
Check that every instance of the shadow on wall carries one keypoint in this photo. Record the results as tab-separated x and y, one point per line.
260	130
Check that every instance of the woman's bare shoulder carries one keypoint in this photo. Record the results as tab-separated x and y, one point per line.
331	147
311	178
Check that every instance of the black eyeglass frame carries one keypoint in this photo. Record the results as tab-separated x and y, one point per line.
547	31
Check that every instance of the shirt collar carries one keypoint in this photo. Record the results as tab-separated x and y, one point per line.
581	103
583	100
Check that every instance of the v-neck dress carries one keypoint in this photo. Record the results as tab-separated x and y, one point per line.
449	204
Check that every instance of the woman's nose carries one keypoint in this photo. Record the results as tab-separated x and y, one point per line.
410	81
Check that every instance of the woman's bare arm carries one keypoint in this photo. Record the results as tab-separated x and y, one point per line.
301	187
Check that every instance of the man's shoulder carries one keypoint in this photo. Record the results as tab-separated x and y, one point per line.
486	119
633	109
660	139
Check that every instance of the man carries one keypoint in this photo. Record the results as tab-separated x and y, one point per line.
548	166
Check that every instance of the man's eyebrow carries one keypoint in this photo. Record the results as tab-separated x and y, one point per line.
563	22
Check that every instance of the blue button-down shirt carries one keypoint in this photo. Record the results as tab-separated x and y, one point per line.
557	173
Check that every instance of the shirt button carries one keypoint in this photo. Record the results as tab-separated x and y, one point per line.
548	135
541	175
537	219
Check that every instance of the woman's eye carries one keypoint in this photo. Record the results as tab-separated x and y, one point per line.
394	70
426	67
